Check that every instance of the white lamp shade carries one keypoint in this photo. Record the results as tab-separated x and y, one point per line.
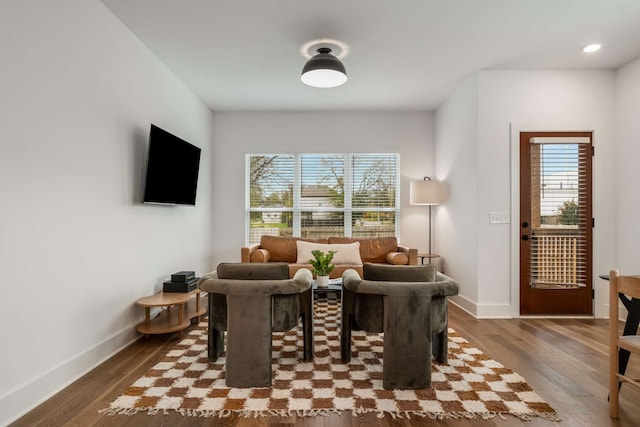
323	78
427	192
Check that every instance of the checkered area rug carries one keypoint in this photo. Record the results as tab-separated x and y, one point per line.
470	385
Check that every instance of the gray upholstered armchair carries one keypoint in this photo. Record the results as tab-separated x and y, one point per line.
408	304
249	301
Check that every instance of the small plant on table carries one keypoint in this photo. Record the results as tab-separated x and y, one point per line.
322	266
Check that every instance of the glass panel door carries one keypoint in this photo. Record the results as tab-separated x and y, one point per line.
556	223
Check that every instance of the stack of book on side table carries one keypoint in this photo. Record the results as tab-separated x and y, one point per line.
182	281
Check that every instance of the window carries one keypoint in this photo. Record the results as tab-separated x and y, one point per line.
322	195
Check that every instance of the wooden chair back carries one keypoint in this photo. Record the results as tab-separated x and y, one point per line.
629	286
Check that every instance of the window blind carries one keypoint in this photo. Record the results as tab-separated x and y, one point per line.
321	195
560	211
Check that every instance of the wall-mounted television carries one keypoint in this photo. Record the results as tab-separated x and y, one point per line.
172	169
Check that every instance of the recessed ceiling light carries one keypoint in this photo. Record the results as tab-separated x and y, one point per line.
592	48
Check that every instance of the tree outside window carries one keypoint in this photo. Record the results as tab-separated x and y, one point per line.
568	213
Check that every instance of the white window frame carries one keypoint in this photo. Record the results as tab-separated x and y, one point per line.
296	210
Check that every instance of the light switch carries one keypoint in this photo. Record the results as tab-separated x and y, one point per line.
499	217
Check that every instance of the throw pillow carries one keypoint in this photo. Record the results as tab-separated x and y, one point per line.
345	253
397	258
260	255
374	249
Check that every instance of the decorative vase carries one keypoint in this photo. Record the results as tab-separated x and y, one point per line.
322	281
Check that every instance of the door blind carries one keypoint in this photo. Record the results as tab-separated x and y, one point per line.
560	211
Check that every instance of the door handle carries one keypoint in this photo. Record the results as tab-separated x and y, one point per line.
525	237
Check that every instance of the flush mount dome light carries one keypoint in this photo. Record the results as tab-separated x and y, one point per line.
324	70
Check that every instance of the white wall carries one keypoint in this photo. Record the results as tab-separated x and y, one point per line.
77	247
456	123
627	153
531	100
553	100
236	134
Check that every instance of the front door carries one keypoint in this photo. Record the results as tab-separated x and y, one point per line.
555	223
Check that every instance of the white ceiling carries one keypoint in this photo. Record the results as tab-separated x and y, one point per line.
404	54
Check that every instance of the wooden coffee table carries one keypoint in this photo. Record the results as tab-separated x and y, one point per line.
181	307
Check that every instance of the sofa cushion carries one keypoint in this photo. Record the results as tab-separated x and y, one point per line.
371	250
283	249
346	253
397	258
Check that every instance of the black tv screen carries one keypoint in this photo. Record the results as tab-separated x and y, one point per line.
172	169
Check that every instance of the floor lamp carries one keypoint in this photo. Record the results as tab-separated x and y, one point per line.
427	192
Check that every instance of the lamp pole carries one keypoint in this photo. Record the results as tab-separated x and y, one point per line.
429	234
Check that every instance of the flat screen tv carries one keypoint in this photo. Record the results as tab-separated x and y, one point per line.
172	169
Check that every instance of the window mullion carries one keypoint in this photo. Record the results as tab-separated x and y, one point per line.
348	230
297	194
397	201
247	199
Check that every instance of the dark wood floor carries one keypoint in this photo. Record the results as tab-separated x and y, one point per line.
565	361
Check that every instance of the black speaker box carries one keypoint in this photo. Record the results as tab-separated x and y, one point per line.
183	276
180	286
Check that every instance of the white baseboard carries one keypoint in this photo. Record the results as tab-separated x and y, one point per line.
504	311
498	311
464	303
23	399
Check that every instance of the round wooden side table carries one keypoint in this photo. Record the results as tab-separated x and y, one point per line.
427	256
180	308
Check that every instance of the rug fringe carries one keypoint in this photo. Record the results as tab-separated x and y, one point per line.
304	413
122	411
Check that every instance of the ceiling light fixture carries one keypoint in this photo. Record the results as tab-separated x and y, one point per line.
324	70
592	48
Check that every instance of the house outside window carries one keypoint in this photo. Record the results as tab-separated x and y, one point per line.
322	195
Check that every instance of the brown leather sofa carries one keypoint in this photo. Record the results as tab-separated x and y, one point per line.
381	250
